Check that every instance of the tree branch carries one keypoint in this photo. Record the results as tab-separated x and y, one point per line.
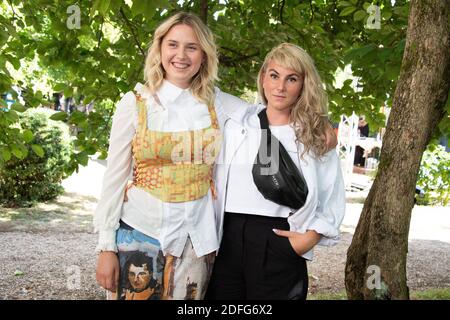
128	23
281	11
299	34
100	33
204	11
241	56
12	8
312	11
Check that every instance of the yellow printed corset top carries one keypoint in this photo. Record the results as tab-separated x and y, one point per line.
174	166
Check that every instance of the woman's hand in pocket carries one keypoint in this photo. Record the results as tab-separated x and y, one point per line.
300	242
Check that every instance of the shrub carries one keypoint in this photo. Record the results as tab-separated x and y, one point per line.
34	179
434	176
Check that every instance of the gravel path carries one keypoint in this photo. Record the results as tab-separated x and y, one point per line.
38	261
62	266
428	265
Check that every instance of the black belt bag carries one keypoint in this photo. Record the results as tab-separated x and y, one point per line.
275	174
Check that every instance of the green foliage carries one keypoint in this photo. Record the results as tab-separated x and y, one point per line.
36	177
434	176
104	58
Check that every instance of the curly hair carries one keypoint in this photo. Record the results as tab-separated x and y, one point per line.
310	113
202	84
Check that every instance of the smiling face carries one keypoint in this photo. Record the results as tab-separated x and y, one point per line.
181	55
282	86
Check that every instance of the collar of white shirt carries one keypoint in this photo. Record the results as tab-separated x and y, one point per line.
167	93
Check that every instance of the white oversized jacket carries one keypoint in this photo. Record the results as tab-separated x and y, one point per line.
325	205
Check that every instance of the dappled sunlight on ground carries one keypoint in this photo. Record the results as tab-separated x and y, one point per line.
69	212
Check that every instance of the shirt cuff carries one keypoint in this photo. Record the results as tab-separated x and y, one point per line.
106	241
330	235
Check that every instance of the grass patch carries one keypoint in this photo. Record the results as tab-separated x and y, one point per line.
429	294
36	214
69	212
328	296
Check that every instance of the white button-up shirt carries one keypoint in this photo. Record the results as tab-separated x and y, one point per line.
170	223
324	208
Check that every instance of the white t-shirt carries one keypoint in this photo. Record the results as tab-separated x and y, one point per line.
252	201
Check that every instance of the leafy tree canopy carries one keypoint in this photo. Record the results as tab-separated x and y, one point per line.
97	49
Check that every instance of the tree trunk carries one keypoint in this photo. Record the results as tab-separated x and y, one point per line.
380	242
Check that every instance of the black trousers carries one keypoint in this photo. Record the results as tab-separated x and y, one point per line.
256	264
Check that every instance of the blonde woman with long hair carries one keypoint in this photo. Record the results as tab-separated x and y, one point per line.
164	138
266	240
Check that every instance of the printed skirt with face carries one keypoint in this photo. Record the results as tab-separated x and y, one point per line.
146	274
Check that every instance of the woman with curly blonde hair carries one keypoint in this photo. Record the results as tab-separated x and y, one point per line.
266	238
309	114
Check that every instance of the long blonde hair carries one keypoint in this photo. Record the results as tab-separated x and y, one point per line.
309	113
202	84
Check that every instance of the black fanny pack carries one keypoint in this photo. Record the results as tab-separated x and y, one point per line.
275	174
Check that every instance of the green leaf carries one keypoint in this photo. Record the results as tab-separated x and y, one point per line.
82	158
24	151
90	150
104	6
11	29
38	150
18	273
348	82
68	91
386	14
16	151
59	87
14	61
18	107
38	95
366	5
103	155
347	11
11	116
6	155
138	7
27	135
338	100
83	124
115	5
77	117
89	99
101	6
123	86
359	15
344	4
34	102
59	116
